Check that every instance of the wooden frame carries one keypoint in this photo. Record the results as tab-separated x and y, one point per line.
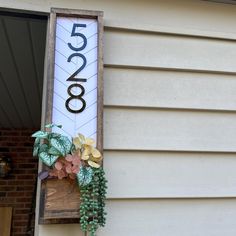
70	215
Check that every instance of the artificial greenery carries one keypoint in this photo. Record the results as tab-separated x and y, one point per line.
78	159
49	146
92	213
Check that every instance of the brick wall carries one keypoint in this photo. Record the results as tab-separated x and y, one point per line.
18	189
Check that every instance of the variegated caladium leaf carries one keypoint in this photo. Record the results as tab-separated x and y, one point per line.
36	147
36	141
54	151
35	151
54	135
58	144
85	176
66	143
53	125
47	159
43	148
40	134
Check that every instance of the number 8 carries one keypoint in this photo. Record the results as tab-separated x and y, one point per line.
79	97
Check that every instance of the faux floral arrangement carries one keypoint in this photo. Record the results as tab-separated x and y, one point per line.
75	158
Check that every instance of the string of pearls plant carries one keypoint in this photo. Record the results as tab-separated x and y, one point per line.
75	158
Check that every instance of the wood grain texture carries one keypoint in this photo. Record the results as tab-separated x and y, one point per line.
61	199
5	222
100	94
55	195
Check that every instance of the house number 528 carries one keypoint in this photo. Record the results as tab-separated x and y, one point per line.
72	78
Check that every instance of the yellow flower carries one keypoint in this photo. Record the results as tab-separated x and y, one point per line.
93	164
89	153
89	141
77	143
86	153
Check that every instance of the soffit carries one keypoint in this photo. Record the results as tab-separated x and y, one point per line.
223	1
22	49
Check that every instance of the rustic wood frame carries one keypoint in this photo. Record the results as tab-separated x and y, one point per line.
68	216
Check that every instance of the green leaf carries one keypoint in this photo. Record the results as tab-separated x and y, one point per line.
36	142
54	151
59	145
35	151
36	147
43	148
72	147
40	134
53	125
66	143
47	159
84	176
54	135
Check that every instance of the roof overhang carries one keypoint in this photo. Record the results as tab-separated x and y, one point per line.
223	1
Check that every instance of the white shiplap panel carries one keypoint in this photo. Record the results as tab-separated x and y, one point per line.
143	129
150	50
169	89
170	175
67	62
171	218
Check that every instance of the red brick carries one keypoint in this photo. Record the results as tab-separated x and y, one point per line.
25	177
20	223
23	199
22	211
15	194
18	189
16	229
25	166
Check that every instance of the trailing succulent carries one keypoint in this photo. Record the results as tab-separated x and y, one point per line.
75	158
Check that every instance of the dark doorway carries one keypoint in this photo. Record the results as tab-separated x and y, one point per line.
22	50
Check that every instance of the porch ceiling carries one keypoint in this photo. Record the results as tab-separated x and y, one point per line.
22	48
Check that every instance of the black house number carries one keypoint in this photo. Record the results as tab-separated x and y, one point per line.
72	78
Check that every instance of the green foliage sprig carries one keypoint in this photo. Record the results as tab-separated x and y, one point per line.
48	146
92	208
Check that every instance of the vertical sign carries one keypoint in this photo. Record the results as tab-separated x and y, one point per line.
75	76
73	88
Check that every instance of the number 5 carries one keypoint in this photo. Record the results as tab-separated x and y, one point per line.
74	33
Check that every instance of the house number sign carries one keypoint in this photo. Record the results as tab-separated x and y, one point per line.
73	97
76	73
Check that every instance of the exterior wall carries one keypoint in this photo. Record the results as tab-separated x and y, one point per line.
17	190
169	128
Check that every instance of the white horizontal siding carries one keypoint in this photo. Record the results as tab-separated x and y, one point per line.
140	181
142	129
170	175
164	51
171	218
161	218
169	89
207	19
